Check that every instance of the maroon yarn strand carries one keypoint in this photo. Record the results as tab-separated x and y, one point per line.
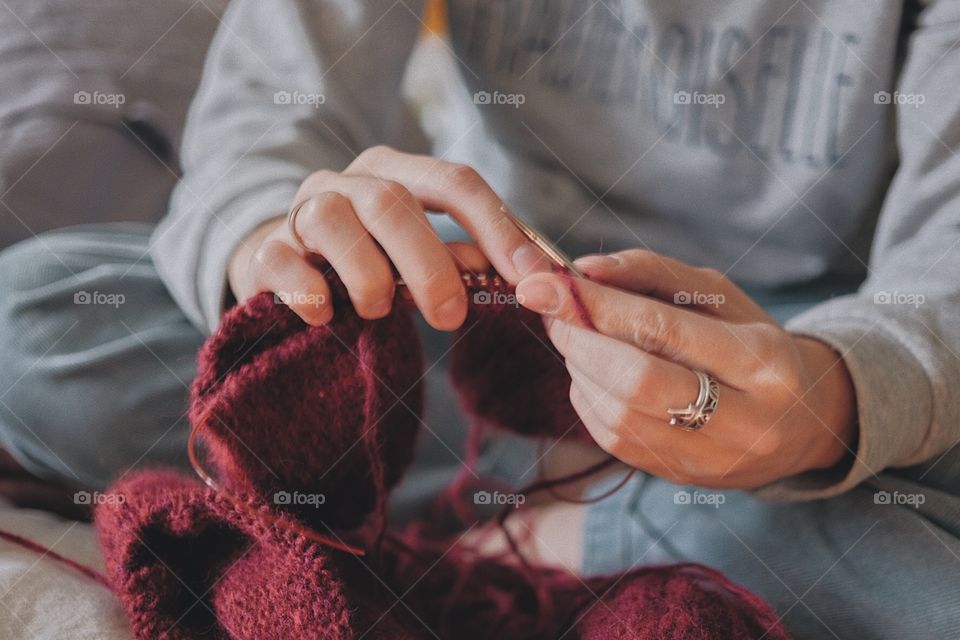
47	551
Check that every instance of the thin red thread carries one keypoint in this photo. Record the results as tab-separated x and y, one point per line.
550	486
582	312
47	551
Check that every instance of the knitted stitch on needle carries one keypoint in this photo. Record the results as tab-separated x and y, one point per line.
283	410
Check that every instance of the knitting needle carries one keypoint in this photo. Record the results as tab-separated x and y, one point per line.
552	251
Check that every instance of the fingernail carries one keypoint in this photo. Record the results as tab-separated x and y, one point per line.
528	259
541	297
451	310
598	261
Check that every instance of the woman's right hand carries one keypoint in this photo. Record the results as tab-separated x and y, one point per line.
372	215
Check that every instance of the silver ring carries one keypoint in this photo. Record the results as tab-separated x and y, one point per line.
697	414
292	225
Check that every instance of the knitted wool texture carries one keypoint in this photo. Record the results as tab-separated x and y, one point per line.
334	411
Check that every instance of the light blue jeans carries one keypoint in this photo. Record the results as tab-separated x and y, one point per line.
97	360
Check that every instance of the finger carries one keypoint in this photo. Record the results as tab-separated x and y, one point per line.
733	425
643	446
468	257
676	334
460	191
648	385
328	225
279	267
396	219
671	280
639	380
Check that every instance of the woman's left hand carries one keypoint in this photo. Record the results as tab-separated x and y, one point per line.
787	404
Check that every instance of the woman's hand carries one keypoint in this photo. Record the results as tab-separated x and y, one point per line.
371	216
787	403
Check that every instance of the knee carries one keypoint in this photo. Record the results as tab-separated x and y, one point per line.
67	405
24	266
37	285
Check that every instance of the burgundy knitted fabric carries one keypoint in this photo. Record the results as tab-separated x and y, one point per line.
682	601
294	408
187	565
334	411
507	372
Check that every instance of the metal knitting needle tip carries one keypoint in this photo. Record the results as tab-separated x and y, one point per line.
552	251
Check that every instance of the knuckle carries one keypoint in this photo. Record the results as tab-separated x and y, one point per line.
271	253
713	276
789	377
391	199
766	444
621	442
502	227
698	470
606	438
640	385
613	443
647	262
373	155
638	258
316	180
777	365
654	334
464	179
324	208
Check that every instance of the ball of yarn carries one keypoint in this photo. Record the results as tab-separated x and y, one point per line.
681	601
320	421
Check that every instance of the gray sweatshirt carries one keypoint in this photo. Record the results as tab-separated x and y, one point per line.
774	140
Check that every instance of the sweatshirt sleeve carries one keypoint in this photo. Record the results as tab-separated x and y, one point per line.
900	334
289	87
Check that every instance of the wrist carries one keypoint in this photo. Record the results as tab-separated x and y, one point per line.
829	405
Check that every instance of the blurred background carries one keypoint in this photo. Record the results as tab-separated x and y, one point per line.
95	95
